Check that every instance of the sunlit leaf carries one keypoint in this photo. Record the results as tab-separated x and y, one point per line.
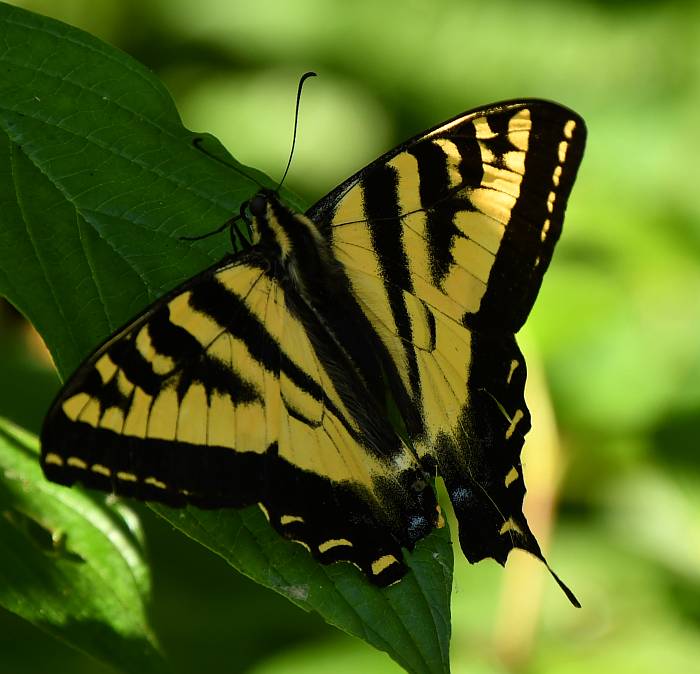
70	564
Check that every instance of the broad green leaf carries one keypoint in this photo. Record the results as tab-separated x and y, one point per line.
100	180
70	564
409	620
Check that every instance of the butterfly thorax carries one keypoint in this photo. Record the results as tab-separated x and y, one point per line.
292	243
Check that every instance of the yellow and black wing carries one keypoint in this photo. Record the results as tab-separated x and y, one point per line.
445	241
216	396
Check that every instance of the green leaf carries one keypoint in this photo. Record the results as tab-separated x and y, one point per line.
69	564
409	620
100	180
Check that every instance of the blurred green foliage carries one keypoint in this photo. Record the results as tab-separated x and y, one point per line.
617	323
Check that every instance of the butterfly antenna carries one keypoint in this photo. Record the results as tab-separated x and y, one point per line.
230	223
303	79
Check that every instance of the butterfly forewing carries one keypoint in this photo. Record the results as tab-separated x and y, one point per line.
476	207
271	377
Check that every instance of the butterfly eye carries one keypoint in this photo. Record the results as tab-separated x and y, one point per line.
258	205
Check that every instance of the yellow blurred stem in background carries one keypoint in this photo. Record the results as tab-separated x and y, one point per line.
525	577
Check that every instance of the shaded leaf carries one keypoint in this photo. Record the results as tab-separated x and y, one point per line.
409	620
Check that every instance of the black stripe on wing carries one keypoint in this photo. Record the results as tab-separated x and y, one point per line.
386	228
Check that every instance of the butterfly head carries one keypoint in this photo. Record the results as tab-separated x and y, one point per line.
267	216
258	204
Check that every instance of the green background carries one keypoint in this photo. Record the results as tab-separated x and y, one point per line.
613	344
